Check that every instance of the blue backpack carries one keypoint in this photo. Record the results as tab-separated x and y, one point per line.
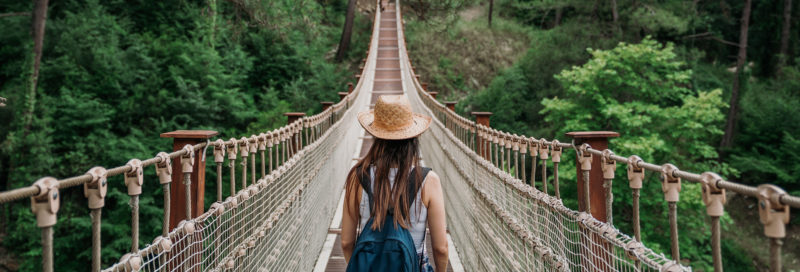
391	248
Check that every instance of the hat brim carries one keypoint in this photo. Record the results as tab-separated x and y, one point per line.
420	125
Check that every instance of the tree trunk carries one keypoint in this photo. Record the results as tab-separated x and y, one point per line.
39	19
491	7
557	22
344	43
787	24
741	59
614	13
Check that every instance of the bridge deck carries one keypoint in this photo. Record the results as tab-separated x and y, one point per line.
387	82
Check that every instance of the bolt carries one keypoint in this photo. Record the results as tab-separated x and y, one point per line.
55	195
104	182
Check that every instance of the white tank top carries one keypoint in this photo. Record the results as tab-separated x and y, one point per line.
418	214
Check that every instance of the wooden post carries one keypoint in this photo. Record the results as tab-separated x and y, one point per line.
177	189
433	94
597	199
292	117
451	105
482	118
349	87
597	140
342	95
326	105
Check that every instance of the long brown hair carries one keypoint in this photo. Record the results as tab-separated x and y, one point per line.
384	155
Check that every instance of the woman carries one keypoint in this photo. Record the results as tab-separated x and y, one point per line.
405	202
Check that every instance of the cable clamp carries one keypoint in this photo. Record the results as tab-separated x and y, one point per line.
95	190
635	173
262	141
543	150
773	214
534	147
713	196
244	147
134	178
523	145
584	157
253	144
232	149
187	159
608	165
46	203
670	184
219	151
555	151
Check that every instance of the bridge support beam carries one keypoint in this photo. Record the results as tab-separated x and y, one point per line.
292	117
181	138
451	105
482	118
597	195
597	140
326	105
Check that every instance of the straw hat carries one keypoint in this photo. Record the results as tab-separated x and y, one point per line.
392	119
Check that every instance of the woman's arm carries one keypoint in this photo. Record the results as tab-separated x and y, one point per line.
434	200
352	197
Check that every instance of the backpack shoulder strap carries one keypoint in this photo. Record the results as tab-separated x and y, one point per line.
367	186
412	180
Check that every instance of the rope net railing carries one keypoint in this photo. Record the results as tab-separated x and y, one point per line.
500	222
285	186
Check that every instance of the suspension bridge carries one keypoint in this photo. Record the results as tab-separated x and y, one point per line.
284	210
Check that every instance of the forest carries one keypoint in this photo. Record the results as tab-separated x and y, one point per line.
706	85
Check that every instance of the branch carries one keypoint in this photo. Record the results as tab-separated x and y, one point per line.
10	14
709	35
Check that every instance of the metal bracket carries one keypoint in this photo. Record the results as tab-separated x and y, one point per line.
46	203
608	165
670	184
187	160
134	178
713	196
635	173
773	214
96	189
555	151
584	157
164	168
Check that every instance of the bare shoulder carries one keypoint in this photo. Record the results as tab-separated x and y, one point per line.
432	179
432	187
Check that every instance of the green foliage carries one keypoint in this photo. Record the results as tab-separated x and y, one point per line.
639	90
767	145
116	73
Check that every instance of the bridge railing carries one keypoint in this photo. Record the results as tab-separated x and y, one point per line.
265	222
504	156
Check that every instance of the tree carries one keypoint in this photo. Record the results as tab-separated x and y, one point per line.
785	34
730	124
641	91
491	7
347	31
37	31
